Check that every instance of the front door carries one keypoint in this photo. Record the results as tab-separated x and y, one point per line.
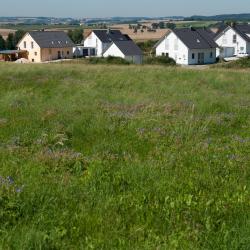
200	58
59	55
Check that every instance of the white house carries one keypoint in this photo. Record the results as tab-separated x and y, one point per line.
100	40
188	46
233	40
127	50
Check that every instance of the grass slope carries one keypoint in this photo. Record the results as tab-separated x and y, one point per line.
124	157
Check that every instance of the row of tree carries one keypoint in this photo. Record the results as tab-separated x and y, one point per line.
12	40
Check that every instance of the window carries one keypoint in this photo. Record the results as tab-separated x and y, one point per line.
241	48
50	51
32	45
35	53
193	56
234	38
33	60
211	54
25	45
67	52
184	57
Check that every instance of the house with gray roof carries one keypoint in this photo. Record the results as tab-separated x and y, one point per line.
100	40
233	40
188	46
127	50
44	46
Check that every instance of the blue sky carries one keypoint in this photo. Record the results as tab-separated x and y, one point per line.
107	8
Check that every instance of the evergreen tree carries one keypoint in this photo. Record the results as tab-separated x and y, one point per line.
10	44
2	43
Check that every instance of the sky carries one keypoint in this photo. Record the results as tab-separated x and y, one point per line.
127	8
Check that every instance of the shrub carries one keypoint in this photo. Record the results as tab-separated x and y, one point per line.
108	60
162	60
241	63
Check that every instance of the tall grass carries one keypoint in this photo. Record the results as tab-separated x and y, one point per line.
114	157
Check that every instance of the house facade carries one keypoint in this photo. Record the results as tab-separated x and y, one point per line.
42	46
127	50
188	46
100	40
233	41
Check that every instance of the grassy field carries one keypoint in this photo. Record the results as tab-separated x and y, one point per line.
124	157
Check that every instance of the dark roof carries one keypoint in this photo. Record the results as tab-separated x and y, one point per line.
128	48
193	38
241	29
52	39
107	36
196	38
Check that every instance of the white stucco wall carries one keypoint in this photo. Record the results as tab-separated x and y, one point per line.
113	50
181	54
209	56
168	45
94	42
34	54
225	40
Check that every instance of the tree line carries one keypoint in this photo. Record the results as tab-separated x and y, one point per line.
12	40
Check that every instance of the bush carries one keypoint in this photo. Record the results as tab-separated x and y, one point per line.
108	60
160	60
241	63
146	46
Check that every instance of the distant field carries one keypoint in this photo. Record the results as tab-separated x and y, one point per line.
139	36
124	157
6	29
5	32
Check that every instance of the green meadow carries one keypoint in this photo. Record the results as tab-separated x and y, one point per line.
124	157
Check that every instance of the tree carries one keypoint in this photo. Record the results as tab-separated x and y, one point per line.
18	36
170	25
10	43
2	43
76	35
161	25
155	25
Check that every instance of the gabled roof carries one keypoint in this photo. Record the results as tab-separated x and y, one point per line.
108	36
128	48
241	29
162	39
51	39
194	38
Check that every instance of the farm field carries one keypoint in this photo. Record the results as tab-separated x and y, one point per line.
124	157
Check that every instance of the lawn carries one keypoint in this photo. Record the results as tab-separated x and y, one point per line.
124	157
